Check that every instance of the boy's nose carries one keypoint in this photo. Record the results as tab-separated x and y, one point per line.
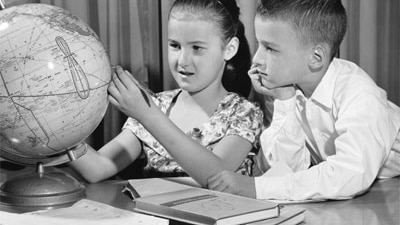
256	58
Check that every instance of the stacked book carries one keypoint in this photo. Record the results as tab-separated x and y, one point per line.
194	205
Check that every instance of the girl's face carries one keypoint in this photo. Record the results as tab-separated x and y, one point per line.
281	58
195	54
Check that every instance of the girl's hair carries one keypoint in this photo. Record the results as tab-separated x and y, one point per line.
225	14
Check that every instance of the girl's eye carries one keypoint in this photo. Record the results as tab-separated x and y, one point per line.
197	48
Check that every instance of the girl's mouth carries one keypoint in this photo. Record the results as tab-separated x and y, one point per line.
185	73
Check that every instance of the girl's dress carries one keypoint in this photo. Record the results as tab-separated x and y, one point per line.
234	115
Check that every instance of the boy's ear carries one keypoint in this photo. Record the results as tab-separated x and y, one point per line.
319	55
231	48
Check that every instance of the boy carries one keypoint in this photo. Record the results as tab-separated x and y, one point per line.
333	130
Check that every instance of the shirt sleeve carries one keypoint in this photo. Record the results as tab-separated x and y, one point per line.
283	146
284	139
362	144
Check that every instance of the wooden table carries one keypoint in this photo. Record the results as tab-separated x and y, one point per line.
380	205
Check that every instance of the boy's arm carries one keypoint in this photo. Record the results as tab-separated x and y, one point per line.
364	138
363	141
282	145
284	140
285	131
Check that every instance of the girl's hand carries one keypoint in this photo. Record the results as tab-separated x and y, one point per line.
281	93
128	95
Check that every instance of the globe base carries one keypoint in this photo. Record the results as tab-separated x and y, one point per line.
41	190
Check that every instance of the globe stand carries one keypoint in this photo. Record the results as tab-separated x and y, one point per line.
41	190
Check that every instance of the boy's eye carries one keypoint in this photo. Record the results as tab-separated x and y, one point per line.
270	49
174	45
267	47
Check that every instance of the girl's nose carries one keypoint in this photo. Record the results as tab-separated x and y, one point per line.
184	59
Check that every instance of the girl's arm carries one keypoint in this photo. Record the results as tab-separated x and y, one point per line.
126	94
189	154
114	156
232	150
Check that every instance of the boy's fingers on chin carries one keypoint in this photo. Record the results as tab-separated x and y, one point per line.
253	66
254	78
252	72
256	84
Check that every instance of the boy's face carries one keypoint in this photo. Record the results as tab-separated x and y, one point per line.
281	58
195	53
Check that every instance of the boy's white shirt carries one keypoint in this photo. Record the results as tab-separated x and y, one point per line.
354	127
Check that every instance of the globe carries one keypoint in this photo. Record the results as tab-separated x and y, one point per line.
54	74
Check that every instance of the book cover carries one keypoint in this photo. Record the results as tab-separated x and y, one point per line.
201	206
288	215
152	186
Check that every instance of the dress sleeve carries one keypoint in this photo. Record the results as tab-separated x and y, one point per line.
246	122
136	128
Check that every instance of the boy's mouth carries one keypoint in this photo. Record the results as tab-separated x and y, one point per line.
259	72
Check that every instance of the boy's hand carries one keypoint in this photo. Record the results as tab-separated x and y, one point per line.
234	183
281	93
128	95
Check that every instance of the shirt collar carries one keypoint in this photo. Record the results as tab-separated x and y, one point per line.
323	94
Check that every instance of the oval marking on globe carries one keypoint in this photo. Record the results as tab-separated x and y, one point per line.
79	78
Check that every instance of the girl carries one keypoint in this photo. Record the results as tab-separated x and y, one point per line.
209	57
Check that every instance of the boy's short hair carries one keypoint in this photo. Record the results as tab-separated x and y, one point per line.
316	21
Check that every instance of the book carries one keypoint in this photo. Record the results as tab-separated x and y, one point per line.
152	186
288	215
196	205
85	212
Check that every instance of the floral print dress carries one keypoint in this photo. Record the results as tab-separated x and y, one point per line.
234	116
